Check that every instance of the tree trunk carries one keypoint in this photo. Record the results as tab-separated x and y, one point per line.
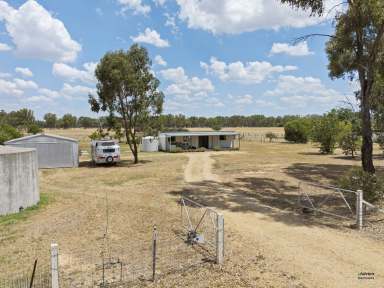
135	152
367	146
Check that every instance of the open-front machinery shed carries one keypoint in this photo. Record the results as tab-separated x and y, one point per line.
169	141
52	151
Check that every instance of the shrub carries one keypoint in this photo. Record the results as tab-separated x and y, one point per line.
380	141
8	132
357	179
271	136
177	150
327	131
34	129
349	141
98	134
298	130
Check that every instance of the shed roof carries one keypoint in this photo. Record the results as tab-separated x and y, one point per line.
200	133
41	135
13	150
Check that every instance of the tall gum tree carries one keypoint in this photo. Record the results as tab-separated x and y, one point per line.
356	51
127	86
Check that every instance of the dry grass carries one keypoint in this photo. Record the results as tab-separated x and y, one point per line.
142	195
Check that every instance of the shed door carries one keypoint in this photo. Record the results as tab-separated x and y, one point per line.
55	155
204	141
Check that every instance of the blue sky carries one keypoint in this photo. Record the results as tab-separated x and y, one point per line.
213	57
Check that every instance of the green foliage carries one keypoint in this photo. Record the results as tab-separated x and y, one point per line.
87	122
271	136
50	120
315	6
357	179
349	142
127	86
8	132
328	131
118	132
380	141
298	131
20	119
98	134
69	121
34	129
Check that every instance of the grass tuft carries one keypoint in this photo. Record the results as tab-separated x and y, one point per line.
14	218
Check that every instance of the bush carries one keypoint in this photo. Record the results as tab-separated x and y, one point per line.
350	142
177	150
98	134
357	179
298	130
8	132
380	141
34	129
327	131
271	136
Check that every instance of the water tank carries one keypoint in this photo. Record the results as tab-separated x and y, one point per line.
19	185
149	144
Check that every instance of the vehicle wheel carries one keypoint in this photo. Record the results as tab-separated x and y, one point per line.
109	160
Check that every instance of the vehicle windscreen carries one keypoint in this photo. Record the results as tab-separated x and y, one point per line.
107	143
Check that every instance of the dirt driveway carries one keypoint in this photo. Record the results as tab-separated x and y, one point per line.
318	256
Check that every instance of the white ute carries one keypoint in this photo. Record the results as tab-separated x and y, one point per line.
105	152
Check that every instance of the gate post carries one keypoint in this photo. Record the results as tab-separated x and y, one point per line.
359	209
154	253
220	239
55	265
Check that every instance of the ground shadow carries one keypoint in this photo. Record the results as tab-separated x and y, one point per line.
316	172
276	199
122	163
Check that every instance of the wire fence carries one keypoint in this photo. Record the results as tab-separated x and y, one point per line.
37	277
262	138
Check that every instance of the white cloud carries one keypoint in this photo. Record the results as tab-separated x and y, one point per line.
4	47
151	37
37	34
159	2
10	88
184	87
304	91
237	16
160	61
300	49
73	74
68	92
24	84
5	75
247	73
135	5
26	72
171	22
244	99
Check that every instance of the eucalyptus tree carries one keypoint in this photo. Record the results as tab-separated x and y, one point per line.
356	50
127	86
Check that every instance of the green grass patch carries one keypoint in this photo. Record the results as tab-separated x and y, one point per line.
10	219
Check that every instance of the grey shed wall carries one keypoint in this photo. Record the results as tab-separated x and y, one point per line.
19	185
52	152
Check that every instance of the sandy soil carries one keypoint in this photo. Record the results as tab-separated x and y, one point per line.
318	256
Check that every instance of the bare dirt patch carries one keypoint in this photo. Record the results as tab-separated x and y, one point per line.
257	195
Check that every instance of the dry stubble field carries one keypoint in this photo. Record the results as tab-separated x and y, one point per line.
268	244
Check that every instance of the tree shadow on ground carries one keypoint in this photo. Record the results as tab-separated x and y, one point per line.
317	172
275	199
122	163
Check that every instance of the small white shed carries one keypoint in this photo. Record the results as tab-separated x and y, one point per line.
52	151
149	144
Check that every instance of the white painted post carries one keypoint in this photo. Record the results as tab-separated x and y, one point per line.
55	265
359	209
220	239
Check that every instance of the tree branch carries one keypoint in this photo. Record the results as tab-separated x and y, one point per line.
306	37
